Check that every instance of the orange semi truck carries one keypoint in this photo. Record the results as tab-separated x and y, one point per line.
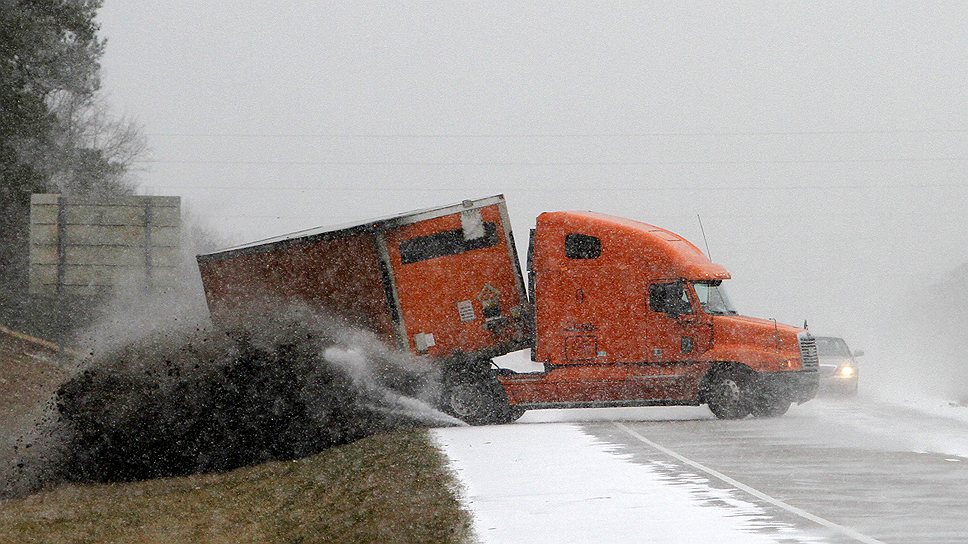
621	313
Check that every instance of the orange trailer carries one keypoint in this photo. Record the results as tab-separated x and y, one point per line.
621	313
442	282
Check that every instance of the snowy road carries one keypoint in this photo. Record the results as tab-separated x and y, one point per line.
832	470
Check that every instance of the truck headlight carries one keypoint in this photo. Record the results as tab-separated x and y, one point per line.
846	372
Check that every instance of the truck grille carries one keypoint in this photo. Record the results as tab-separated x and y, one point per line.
808	351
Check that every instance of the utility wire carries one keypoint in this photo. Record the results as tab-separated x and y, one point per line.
646	188
510	135
545	163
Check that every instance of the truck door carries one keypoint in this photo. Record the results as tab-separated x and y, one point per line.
677	330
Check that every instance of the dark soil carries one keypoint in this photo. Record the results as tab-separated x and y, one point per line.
201	400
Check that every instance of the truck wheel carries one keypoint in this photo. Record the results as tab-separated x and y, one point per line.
478	400
727	394
770	406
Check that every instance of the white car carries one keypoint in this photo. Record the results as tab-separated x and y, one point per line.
838	366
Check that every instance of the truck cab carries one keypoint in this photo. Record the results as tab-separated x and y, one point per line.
627	313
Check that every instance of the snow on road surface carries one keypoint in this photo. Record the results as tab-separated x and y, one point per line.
836	470
554	483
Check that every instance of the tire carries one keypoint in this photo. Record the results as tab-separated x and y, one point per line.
478	399
727	394
769	406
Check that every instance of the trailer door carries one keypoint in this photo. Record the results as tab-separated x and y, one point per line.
459	284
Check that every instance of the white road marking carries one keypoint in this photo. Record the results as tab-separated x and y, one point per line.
847	531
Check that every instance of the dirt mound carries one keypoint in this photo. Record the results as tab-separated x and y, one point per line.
198	400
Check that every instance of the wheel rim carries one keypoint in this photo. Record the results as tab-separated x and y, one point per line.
729	392
464	400
728	397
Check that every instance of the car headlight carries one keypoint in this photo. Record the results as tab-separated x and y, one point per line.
846	372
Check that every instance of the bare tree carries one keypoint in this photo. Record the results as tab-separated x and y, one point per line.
90	151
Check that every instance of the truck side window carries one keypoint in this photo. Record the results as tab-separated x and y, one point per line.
442	244
582	246
669	298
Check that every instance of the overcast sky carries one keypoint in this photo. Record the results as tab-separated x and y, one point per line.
824	144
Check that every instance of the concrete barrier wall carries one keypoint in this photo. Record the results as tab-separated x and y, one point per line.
107	242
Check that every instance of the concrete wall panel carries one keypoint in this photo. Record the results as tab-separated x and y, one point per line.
104	241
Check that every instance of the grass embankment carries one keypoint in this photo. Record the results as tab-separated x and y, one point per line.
386	488
28	376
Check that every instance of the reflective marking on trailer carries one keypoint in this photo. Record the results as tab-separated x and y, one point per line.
424	341
847	531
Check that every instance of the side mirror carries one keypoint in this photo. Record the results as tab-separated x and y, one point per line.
858	353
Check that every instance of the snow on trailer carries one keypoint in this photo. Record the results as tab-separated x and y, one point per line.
386	275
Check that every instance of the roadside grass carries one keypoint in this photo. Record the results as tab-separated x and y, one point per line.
27	379
386	488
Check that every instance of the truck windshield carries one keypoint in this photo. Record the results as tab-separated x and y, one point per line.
712	295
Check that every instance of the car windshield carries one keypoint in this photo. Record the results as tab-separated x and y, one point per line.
712	295
828	346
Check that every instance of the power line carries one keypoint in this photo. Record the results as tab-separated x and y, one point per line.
571	189
546	163
808	216
512	135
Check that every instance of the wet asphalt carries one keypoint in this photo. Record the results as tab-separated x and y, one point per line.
881	471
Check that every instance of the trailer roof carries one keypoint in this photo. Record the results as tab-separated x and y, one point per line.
336	231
